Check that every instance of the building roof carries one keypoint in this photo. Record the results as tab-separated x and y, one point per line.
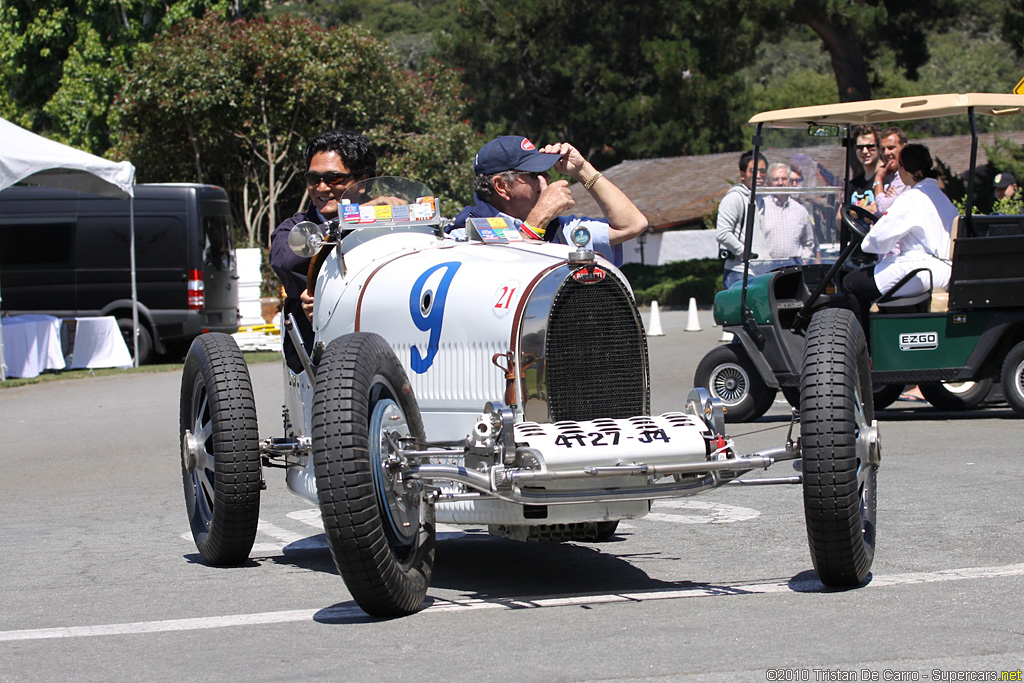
676	192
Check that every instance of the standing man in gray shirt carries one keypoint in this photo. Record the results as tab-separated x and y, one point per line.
732	219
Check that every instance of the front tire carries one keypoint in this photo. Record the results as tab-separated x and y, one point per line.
220	455
730	376
839	448
1012	378
379	525
956	395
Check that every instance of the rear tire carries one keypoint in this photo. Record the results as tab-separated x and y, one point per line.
1012	378
730	376
380	527
838	439
884	395
956	395
220	453
145	340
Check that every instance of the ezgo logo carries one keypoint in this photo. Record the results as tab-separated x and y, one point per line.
919	341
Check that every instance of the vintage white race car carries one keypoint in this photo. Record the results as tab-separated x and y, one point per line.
490	382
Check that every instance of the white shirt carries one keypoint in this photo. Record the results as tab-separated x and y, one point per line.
913	233
787	229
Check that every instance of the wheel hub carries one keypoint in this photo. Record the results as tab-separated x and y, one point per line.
189	450
399	499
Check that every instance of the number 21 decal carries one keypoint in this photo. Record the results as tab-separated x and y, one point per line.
504	298
427	310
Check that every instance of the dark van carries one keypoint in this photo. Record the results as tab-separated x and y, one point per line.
66	253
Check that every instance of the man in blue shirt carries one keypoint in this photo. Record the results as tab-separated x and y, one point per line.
512	181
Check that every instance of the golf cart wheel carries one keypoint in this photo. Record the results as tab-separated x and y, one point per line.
885	395
839	448
380	525
730	376
956	395
220	454
1012	378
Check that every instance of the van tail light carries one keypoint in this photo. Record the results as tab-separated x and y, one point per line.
196	291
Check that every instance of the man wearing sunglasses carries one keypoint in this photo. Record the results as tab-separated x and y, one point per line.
335	161
512	181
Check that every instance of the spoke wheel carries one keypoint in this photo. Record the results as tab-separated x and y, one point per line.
220	459
379	523
730	376
839	448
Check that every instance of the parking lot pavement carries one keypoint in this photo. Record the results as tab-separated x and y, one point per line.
102	580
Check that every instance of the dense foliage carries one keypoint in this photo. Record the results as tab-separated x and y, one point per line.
234	103
60	59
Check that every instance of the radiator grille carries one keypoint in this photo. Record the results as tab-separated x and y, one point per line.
596	352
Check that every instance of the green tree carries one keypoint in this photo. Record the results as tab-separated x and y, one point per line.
234	103
618	80
60	59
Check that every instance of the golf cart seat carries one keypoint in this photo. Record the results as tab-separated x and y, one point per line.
888	303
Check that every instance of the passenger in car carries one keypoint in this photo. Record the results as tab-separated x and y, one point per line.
335	160
888	182
512	180
913	233
868	147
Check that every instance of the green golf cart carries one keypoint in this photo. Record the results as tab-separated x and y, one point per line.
953	344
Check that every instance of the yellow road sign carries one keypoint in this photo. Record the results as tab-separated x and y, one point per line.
1019	88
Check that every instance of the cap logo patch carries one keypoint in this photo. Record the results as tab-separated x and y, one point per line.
527	145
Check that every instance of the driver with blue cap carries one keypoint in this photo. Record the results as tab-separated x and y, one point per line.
512	181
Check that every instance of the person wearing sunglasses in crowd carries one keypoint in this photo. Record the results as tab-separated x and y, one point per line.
868	149
335	161
512	181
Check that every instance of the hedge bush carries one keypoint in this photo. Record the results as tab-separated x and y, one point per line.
672	284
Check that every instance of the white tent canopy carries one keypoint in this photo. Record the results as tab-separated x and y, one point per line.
25	156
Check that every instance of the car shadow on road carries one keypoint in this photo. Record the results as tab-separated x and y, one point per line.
485	567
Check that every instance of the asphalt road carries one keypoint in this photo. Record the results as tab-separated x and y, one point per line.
101	580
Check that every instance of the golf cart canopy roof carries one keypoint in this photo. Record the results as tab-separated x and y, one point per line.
892	109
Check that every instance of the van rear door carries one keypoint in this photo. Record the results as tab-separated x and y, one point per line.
217	250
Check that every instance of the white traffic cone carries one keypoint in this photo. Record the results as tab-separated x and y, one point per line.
654	328
692	321
726	337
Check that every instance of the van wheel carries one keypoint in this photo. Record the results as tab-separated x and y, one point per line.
956	395
1013	378
145	339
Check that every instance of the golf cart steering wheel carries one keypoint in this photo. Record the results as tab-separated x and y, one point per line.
859	220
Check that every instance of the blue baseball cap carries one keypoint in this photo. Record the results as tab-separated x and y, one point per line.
512	153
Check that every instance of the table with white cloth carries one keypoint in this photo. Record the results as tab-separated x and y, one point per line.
31	344
97	343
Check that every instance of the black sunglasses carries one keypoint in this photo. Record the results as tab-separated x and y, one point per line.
313	178
865	146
